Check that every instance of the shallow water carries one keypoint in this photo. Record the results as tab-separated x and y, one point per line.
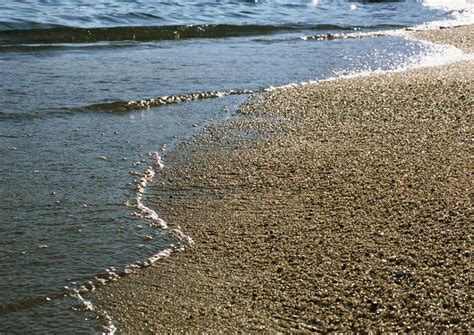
70	141
31	14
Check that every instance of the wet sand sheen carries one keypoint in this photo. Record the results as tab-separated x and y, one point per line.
343	205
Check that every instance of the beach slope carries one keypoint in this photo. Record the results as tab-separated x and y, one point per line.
339	206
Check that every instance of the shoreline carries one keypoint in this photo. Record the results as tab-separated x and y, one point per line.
461	37
335	206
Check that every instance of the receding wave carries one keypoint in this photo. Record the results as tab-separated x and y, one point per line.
123	106
60	35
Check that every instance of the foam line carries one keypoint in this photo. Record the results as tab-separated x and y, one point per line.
109	327
143	211
155	222
123	106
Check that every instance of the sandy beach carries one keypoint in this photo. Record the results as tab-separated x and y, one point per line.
338	206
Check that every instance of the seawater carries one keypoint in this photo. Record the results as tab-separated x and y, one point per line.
88	89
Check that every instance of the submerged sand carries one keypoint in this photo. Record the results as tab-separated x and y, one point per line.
339	206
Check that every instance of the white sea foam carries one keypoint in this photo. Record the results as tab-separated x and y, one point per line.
461	12
439	54
450	5
155	223
143	211
161	254
108	326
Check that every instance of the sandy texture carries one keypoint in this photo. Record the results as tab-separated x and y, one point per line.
461	37
344	205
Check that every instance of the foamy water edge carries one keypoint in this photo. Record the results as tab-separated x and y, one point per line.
155	222
437	55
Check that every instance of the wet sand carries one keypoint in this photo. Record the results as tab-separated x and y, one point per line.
339	206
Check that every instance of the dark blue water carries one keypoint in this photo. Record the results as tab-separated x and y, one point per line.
31	14
89	89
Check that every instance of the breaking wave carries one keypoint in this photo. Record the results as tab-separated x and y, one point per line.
123	106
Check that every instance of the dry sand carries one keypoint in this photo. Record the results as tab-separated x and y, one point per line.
339	206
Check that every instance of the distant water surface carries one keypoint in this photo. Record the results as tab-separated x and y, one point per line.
90	88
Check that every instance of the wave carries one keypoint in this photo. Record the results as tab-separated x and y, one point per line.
64	34
123	106
120	106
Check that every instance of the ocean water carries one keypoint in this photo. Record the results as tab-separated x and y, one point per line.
93	94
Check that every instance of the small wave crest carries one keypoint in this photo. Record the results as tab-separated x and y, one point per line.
123	106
